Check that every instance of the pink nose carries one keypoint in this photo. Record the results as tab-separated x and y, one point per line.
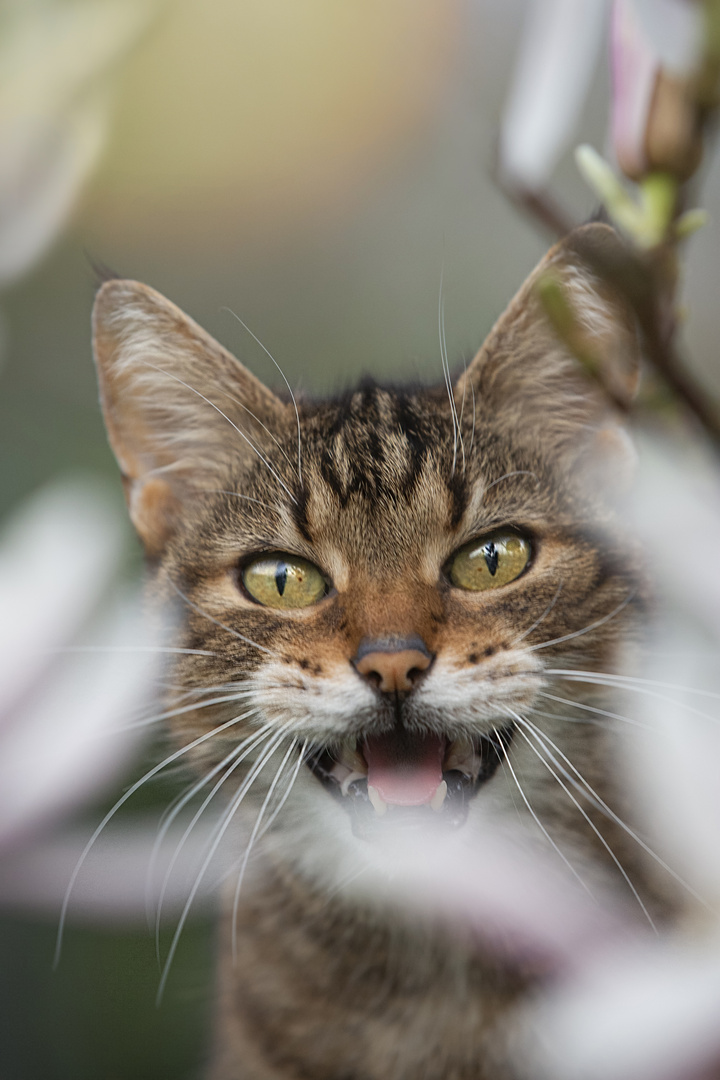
393	665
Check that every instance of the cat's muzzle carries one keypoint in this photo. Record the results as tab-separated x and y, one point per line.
464	766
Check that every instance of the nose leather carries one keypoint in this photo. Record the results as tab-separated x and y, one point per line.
392	664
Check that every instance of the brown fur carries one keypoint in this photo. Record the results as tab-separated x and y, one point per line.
385	491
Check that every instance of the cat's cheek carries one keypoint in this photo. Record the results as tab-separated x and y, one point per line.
475	696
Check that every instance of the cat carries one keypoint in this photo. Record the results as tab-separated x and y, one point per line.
379	594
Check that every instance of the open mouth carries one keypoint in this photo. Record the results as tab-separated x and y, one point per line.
410	777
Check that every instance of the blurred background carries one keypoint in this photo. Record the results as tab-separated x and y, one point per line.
312	167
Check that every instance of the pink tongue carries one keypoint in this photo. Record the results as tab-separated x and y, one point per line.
405	770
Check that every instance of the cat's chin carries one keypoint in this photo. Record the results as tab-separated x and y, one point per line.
465	766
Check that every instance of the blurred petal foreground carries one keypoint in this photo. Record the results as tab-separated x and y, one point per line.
76	664
55	65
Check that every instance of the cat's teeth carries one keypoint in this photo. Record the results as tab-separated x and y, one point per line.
439	797
461	757
351	758
377	800
350	779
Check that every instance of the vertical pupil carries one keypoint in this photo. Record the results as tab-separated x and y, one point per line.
491	558
281	577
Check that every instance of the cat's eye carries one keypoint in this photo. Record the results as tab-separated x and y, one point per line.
490	562
283	581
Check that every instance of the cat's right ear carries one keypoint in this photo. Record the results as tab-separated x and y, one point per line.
178	407
528	374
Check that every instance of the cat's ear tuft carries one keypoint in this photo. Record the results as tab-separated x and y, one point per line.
528	368
179	409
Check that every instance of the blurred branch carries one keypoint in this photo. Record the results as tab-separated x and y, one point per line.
664	109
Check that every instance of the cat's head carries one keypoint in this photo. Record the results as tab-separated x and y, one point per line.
378	589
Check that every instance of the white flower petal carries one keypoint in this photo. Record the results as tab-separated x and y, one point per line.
113	884
53	114
559	49
49	173
636	1014
674	30
57	556
64	745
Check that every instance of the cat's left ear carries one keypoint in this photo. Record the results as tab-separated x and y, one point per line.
179	409
528	374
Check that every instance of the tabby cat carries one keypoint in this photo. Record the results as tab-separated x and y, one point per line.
380	594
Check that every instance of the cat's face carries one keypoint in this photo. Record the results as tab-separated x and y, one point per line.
377	590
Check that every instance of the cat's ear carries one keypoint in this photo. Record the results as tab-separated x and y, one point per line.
178	407
527	373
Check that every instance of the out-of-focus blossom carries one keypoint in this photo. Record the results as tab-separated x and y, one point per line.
656	47
55	60
650	1011
494	882
558	52
79	664
655	52
71	673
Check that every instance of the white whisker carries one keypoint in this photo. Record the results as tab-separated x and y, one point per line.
233	760
538	822
234	426
219	833
586	629
121	802
581	785
524	724
282	374
625	680
251	841
507	475
212	619
544	615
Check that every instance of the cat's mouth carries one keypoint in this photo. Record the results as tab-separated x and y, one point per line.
409	776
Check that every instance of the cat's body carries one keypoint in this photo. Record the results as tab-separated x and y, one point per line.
384	492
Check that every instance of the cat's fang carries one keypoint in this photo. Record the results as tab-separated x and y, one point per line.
438	798
378	803
351	758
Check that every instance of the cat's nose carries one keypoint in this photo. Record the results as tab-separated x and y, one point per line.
393	664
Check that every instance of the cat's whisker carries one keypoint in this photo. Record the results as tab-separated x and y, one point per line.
586	629
234	426
544	615
267	431
286	794
446	370
180	710
536	819
585	788
175	756
212	619
253	837
508	475
591	708
648	692
621	681
171	812
169	649
462	407
525	726
238	495
284	378
233	760
255	771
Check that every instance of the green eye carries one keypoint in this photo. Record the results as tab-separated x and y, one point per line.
284	581
490	562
